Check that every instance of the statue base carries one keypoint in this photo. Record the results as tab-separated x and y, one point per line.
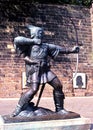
33	113
66	124
44	119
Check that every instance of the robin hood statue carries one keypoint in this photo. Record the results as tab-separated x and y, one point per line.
36	57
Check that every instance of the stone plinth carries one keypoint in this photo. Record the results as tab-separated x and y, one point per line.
66	124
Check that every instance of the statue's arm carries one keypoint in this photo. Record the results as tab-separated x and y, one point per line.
54	50
20	40
64	50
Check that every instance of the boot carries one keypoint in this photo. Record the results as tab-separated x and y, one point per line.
17	111
22	104
59	103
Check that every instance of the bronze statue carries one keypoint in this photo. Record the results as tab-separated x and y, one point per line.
36	57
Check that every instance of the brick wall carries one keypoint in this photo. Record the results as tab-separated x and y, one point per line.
64	25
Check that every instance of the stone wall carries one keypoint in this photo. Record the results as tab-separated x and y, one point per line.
64	25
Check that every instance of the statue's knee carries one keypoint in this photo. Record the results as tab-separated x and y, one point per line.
35	87
33	90
57	84
28	94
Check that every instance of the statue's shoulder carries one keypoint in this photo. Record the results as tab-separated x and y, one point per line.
45	44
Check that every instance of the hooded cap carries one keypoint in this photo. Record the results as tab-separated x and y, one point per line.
35	31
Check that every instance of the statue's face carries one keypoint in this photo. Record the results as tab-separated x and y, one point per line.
37	33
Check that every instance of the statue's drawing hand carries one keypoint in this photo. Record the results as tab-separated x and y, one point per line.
75	49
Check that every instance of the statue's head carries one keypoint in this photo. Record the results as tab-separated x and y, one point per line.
36	32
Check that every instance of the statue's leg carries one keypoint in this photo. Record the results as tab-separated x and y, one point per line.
58	96
26	98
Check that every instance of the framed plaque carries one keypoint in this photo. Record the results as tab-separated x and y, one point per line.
79	80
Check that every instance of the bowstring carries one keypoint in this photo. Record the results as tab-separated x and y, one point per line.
76	70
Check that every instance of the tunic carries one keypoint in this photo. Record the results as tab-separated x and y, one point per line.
40	72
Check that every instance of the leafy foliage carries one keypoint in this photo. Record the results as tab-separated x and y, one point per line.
12	9
77	2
